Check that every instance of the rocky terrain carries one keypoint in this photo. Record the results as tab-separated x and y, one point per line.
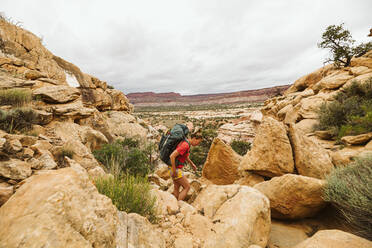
270	197
171	98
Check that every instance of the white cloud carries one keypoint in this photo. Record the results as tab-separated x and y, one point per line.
190	46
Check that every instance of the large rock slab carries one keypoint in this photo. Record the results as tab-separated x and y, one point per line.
57	94
310	158
221	166
271	154
58	208
293	196
241	221
334	238
357	139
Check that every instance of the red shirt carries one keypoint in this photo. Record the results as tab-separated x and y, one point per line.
183	148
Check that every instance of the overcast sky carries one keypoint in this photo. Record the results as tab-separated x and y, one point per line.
190	46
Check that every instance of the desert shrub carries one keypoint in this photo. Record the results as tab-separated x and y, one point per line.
129	193
350	113
126	156
15	97
350	190
63	152
240	146
17	120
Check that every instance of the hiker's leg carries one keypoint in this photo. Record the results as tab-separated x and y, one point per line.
186	187
176	190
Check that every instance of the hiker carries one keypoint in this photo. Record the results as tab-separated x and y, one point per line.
178	159
174	149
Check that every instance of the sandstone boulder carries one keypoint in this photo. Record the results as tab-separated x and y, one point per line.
333	81
57	94
293	196
284	235
309	106
47	161
249	179
213	196
271	154
310	79
124	125
15	169
166	203
221	166
306	125
359	70
310	158
241	221
47	211
142	234
334	238
33	74
282	112
357	139
293	114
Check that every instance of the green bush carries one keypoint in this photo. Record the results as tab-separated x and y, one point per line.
241	147
350	190
129	193
126	156
350	113
17	120
63	152
15	97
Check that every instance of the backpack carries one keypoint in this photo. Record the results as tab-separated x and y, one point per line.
169	141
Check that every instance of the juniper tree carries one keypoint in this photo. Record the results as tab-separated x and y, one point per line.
341	45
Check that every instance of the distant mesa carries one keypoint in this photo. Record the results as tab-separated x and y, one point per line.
172	98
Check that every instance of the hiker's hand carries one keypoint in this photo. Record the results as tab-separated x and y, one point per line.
194	166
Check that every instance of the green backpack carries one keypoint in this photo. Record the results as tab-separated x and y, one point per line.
170	140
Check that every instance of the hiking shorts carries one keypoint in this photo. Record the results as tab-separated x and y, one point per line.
179	173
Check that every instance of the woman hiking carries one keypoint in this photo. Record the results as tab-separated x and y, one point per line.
178	159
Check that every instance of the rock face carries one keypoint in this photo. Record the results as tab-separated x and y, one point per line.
240	213
47	211
271	154
334	238
293	196
310	158
221	166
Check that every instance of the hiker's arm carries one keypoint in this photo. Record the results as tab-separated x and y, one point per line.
190	162
173	156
